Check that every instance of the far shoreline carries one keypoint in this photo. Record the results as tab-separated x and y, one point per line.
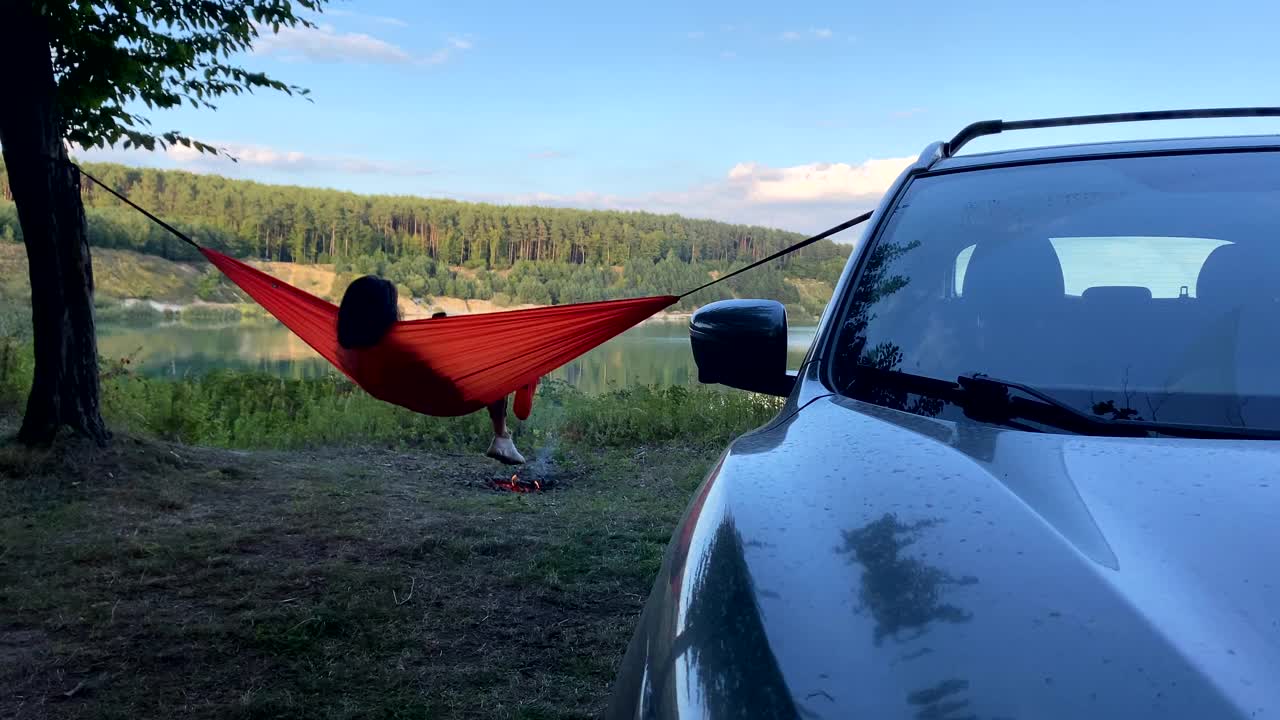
411	310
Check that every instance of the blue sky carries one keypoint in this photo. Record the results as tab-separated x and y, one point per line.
787	114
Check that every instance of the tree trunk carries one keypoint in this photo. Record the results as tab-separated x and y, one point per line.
46	190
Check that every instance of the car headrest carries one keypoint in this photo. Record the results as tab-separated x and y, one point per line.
1013	271
1236	273
1117	294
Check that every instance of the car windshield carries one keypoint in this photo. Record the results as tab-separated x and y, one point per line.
1130	288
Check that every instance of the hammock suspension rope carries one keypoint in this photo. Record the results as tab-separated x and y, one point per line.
453	365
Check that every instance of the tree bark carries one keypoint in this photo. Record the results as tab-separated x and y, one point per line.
46	190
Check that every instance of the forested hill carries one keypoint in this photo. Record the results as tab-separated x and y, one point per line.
441	247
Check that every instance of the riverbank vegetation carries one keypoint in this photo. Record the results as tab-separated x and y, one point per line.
255	410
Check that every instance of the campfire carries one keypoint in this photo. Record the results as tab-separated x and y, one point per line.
540	475
518	484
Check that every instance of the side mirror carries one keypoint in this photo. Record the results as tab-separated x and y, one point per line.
742	344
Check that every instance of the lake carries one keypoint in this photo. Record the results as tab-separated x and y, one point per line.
651	354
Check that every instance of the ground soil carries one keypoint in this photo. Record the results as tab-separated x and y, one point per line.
160	580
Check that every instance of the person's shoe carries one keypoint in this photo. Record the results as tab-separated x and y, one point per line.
504	451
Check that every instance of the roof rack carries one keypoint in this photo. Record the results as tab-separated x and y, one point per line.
995	127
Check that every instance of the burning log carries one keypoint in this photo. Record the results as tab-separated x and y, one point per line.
518	484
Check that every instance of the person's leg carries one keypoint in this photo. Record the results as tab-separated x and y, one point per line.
502	448
498	416
524	400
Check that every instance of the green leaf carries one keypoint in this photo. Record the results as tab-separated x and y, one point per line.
157	53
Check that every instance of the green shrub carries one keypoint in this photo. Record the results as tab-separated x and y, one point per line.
15	321
134	314
243	410
257	410
800	315
255	314
212	287
15	372
211	314
652	415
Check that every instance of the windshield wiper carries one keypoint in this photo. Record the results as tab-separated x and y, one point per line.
987	399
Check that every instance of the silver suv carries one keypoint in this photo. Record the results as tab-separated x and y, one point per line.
1028	468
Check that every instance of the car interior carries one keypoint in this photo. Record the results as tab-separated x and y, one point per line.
1191	315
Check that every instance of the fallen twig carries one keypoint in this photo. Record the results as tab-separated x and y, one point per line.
413	583
88	684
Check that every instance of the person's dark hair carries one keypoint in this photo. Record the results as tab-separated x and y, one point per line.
367	312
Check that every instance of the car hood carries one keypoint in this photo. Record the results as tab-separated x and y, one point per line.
854	561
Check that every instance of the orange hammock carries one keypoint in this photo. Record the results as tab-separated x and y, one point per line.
453	366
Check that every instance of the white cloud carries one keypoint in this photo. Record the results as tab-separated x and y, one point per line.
816	181
546	155
288	160
819	33
379	19
325	44
805	198
695	35
251	156
443	54
728	55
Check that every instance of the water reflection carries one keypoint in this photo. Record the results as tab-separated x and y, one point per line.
904	595
940	702
855	350
901	592
729	655
651	354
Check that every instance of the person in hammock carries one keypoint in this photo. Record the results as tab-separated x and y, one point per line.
369	308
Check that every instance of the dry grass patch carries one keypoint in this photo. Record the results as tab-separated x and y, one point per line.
160	580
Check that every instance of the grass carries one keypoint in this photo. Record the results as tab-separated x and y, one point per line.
154	580
251	410
254	547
